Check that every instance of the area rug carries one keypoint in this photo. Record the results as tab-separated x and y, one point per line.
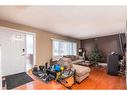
13	81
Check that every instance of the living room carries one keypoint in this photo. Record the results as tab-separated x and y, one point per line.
65	37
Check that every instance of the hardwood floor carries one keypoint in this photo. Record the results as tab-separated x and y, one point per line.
98	80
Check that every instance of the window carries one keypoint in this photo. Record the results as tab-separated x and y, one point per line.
61	48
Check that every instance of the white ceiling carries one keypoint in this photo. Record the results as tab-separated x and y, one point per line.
74	21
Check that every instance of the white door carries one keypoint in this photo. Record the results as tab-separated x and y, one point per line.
13	51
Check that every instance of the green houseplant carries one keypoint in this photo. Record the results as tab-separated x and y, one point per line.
95	56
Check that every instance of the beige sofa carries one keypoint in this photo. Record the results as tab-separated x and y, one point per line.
82	72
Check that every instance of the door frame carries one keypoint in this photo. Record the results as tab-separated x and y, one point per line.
25	32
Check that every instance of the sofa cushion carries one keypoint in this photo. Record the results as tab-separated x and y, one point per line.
81	70
72	57
56	58
66	62
77	61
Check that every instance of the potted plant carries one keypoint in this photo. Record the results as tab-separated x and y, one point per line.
95	56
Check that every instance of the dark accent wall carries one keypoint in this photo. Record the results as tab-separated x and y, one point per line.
106	44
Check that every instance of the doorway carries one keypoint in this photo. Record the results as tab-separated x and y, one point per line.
18	50
30	51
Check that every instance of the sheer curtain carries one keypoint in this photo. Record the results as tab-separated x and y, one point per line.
61	48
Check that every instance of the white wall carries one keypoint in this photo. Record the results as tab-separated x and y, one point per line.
0	70
12	44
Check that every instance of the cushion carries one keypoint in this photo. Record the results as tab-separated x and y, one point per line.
78	61
66	62
81	70
72	57
56	58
